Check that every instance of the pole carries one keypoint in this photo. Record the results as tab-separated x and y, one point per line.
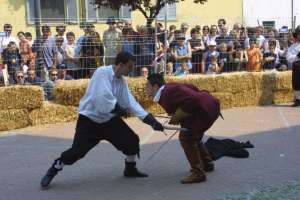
37	21
292	19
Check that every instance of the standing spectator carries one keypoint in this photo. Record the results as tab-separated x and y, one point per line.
224	37
49	51
120	25
221	24
98	49
32	79
272	35
112	41
206	60
80	40
197	47
25	50
60	55
293	56
270	57
20	79
182	53
184	31
128	43
213	34
28	37
205	35
4	41
171	34
71	60
12	60
198	28
260	39
60	30
254	56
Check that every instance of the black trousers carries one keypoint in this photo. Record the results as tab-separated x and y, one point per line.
89	133
296	76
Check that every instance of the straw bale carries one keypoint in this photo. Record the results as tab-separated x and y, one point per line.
21	97
283	96
52	113
283	80
70	92
13	119
225	99
247	98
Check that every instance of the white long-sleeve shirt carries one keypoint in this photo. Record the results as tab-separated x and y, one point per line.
292	52
102	94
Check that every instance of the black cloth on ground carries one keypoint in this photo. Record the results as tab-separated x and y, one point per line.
227	147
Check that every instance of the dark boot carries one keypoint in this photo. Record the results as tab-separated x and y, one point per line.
208	163
131	170
190	147
52	171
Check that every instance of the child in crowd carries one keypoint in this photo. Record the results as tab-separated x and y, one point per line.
224	57
270	58
254	56
239	58
214	67
182	70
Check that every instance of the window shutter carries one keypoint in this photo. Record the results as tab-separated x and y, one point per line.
125	12
72	11
168	10
30	11
91	12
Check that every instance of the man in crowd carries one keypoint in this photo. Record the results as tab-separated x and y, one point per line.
32	79
194	110
106	100
112	41
4	41
293	56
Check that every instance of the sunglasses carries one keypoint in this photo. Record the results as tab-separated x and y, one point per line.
53	74
20	76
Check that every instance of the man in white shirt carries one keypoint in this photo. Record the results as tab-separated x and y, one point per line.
293	56
4	41
106	100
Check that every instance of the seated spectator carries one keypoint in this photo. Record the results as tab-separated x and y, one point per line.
270	58
169	69
62	73
32	79
12	60
197	47
182	70
224	57
48	85
213	67
254	56
206	61
144	72
239	58
182	53
20	79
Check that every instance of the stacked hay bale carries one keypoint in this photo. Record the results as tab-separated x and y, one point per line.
15	104
50	113
232	89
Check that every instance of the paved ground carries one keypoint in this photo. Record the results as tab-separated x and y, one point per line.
275	132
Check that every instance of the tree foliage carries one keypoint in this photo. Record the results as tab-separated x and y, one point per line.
149	8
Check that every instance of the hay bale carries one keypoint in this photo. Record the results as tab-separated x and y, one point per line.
283	96
70	92
247	98
225	99
52	113
13	119
21	97
283	80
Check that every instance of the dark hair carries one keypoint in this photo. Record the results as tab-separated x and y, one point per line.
194	31
223	21
60	27
156	79
124	57
46	28
70	34
7	26
20	32
28	34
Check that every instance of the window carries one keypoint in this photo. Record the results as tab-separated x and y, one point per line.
168	11
101	14
54	11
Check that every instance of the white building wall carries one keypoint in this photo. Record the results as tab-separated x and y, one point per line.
257	11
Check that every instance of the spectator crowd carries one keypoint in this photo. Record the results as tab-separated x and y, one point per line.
173	51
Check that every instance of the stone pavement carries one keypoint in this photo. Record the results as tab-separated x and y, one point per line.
274	130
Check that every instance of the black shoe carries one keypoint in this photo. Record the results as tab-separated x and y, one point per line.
131	170
52	171
297	103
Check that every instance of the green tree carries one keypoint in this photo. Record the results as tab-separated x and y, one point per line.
149	8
